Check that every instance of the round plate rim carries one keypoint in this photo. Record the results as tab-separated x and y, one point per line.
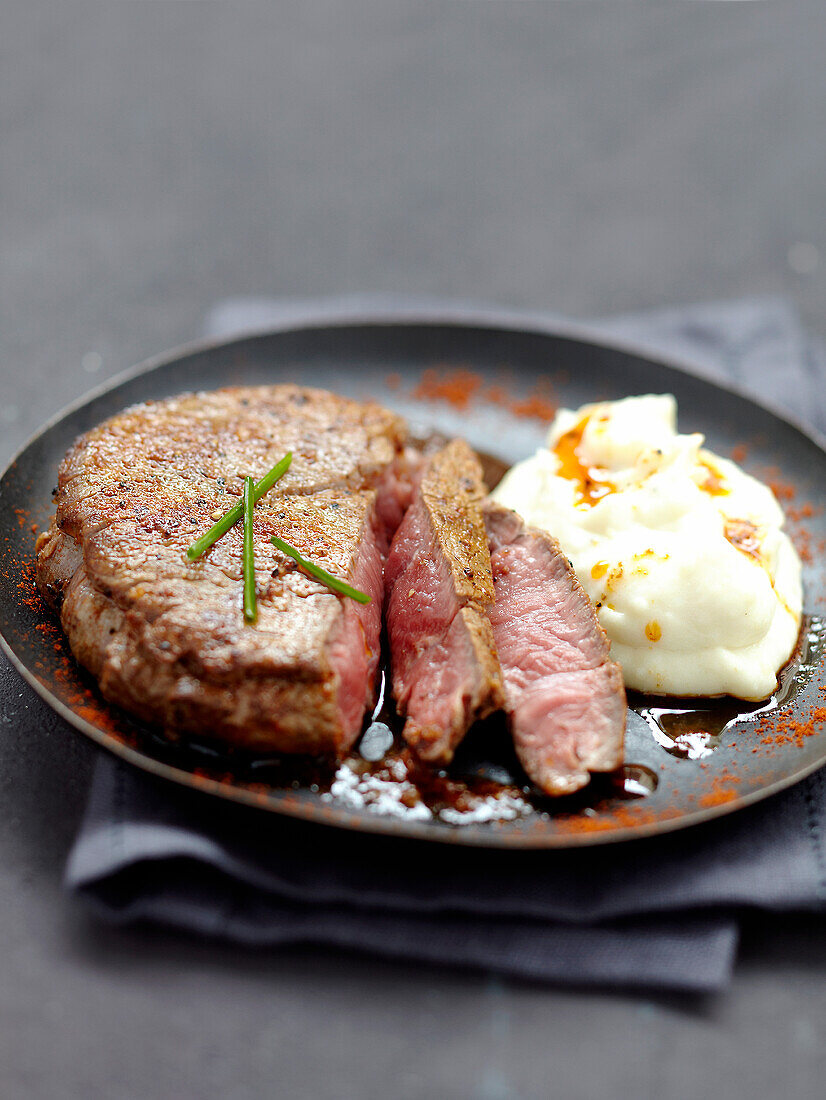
460	317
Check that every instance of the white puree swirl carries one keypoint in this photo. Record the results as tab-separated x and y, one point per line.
682	553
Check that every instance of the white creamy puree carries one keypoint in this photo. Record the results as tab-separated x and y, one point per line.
682	552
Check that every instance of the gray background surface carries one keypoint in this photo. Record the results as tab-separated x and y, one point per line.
579	157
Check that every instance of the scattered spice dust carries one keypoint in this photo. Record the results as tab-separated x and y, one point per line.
608	818
786	729
456	387
723	790
66	676
460	387
803	544
783	490
796	513
805	511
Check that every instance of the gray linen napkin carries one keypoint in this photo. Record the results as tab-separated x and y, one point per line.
656	913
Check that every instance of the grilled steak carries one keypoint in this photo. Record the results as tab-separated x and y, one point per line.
564	696
445	672
165	637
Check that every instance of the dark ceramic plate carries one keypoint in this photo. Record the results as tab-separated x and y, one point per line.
684	765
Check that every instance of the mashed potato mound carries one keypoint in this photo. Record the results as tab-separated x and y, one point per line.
682	552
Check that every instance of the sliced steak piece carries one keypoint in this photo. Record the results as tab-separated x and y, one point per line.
564	696
445	672
166	637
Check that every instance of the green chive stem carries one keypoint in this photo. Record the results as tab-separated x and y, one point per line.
234	514
320	574
250	605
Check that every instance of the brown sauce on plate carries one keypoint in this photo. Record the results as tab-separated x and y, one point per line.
691	729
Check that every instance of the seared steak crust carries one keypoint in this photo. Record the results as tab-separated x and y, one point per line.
166	637
445	672
564	696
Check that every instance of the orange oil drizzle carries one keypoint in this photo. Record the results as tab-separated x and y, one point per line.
591	487
653	631
713	483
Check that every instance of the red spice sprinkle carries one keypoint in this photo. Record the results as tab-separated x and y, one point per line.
788	730
461	386
455	387
497	395
534	407
614	817
805	511
723	789
782	490
803	546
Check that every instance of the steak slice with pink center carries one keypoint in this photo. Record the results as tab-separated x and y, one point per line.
564	696
445	672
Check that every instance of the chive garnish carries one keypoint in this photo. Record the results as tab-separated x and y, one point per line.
320	574
250	605
234	514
